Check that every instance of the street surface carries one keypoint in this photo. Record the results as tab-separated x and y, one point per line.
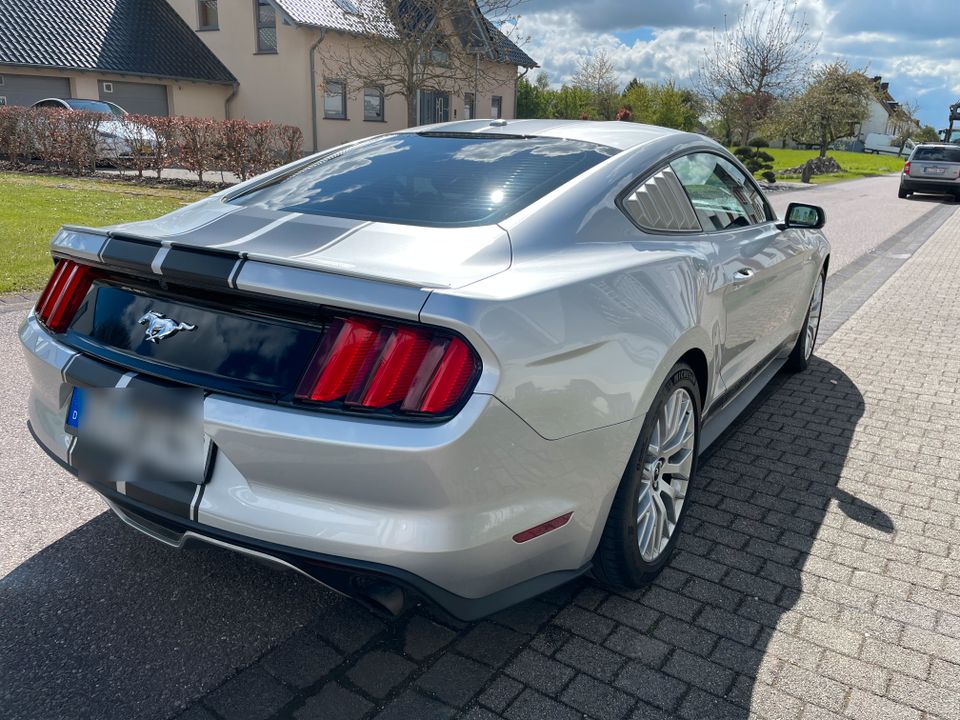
860	214
818	575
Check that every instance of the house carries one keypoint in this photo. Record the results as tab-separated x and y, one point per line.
138	54
253	59
886	116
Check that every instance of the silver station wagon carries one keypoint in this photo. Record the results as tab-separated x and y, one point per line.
463	363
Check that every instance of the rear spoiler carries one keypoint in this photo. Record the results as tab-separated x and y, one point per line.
233	271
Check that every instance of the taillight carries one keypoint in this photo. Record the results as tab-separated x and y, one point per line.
906	168
366	363
65	290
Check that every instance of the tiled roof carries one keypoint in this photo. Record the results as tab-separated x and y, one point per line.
506	49
128	37
333	15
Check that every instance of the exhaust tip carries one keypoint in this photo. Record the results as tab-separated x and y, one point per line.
383	597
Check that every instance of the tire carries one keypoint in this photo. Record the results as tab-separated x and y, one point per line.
631	553
799	359
901	193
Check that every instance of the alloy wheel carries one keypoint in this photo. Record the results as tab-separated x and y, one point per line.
665	470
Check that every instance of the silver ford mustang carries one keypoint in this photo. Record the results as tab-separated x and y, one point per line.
462	363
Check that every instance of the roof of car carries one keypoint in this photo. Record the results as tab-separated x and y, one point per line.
619	135
128	37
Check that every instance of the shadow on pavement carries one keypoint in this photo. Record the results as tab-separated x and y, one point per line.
106	624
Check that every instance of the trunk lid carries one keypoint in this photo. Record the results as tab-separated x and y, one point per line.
423	257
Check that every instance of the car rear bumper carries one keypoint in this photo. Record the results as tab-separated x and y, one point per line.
930	186
432	508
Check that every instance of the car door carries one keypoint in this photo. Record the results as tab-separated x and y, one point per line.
758	271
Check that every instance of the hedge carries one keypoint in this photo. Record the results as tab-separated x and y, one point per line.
69	141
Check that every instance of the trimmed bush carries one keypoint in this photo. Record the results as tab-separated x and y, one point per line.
68	141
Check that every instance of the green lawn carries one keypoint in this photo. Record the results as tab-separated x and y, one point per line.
855	165
33	207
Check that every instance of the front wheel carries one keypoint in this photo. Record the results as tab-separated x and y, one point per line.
803	350
651	502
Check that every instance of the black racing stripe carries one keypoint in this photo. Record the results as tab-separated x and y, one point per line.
197	267
88	373
136	255
171	497
98	466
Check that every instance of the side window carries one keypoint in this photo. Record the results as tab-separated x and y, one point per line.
208	17
660	204
722	196
266	21
334	100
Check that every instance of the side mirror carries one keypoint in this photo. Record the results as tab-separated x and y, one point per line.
801	215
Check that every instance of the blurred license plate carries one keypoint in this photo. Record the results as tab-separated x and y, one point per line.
156	433
934	170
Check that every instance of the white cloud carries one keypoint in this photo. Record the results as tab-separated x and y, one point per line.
558	41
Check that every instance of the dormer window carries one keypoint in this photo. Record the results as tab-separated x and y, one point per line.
348	6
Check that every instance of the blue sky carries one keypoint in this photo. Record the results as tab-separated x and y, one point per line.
913	44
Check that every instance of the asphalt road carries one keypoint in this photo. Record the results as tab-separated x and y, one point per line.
97	621
861	214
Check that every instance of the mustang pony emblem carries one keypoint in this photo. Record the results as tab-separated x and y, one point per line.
160	327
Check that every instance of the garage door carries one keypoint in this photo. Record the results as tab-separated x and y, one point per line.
139	98
27	89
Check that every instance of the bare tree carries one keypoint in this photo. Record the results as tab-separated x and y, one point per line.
406	46
597	75
760	59
836	101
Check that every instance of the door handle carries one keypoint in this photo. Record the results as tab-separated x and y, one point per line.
742	275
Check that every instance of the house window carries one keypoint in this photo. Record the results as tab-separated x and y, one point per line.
208	18
348	6
468	104
496	107
108	87
373	104
3	100
266	27
335	100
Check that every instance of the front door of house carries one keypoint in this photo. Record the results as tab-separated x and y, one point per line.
434	107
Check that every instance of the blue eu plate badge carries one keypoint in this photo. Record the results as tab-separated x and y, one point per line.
75	410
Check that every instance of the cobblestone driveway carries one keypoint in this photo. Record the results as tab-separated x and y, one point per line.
818	576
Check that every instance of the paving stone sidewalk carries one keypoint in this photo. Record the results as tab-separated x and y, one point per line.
818	575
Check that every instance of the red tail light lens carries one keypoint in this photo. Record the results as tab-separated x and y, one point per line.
66	289
364	363
906	168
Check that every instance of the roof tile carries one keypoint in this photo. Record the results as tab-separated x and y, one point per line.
130	37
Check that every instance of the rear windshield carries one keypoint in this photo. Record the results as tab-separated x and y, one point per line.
432	179
90	106
937	154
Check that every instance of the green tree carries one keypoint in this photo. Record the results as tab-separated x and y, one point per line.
571	103
927	133
663	104
834	103
535	100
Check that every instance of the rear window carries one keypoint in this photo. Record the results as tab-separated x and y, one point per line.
432	179
937	154
90	106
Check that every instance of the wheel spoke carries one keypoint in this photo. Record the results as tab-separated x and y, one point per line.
665	470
